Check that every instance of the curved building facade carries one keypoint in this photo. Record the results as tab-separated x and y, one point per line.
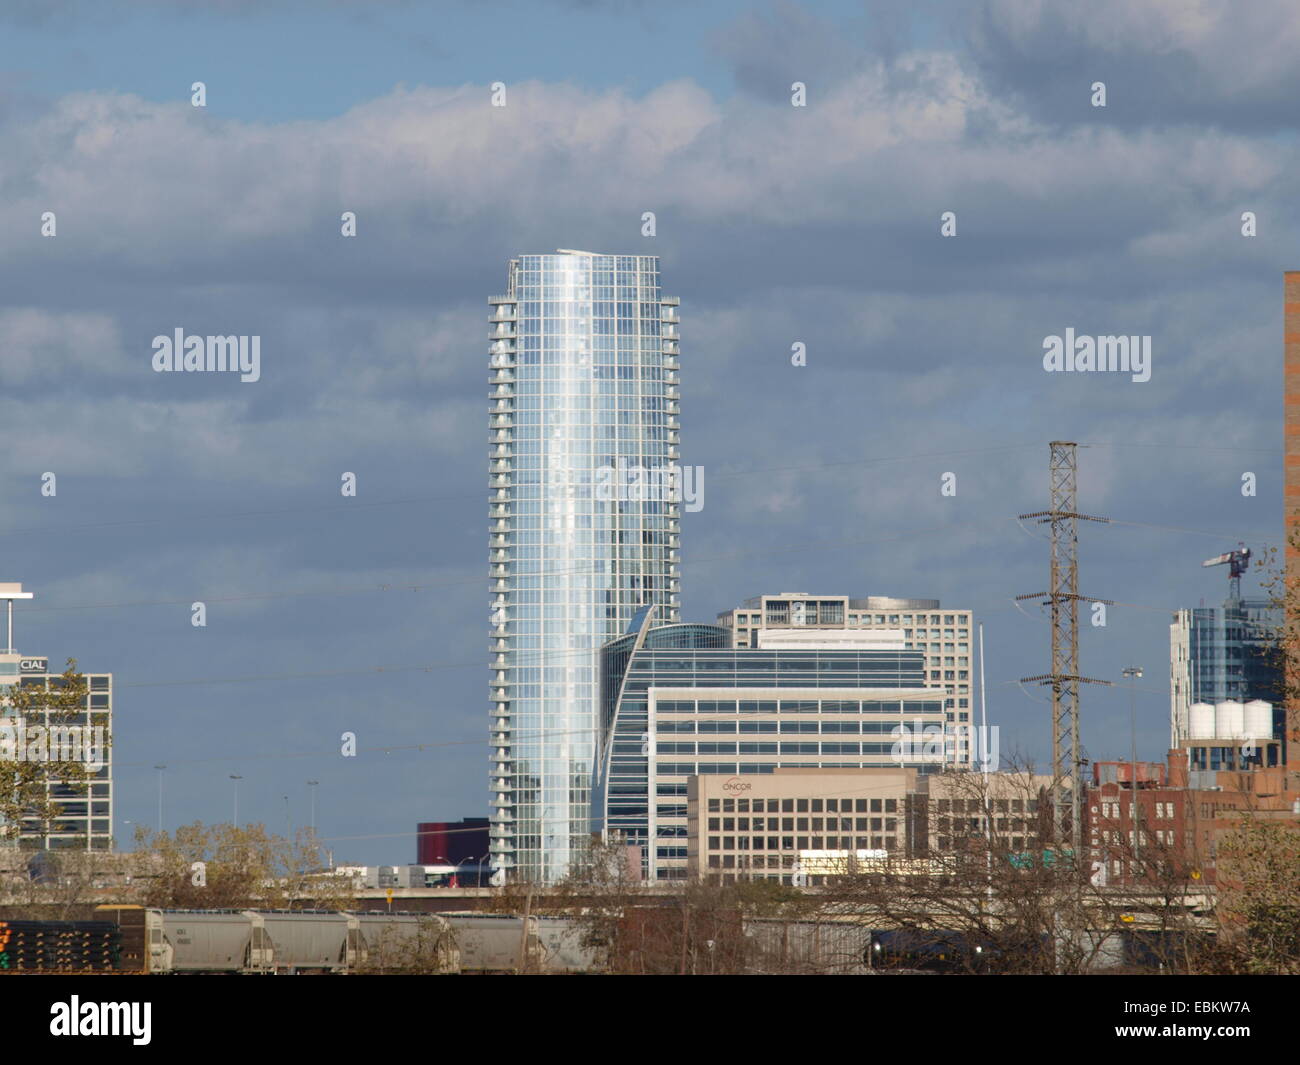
583	388
678	701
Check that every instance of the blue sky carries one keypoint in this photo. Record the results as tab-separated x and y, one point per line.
775	225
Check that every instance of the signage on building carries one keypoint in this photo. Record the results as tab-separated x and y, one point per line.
33	665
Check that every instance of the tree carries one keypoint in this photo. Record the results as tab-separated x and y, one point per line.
1259	895
228	867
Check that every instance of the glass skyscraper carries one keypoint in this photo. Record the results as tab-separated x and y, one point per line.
583	390
1224	653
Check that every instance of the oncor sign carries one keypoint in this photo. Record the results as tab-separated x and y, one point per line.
33	665
736	784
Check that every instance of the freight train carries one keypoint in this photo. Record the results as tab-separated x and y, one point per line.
145	940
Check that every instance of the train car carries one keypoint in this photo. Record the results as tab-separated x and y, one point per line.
495	943
810	947
423	942
563	947
296	941
205	941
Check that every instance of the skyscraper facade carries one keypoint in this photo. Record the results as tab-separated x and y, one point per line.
583	382
1221	653
680	701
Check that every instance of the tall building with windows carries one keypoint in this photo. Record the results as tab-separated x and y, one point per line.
583	381
84	809
1223	653
680	701
942	634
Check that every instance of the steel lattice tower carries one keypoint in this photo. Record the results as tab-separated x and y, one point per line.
1064	679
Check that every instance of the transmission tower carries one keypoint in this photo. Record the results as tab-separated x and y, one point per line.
1064	679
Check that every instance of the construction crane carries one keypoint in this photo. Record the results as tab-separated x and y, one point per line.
1238	562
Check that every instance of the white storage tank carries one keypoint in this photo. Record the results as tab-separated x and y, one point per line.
1200	721
1259	720
1229	720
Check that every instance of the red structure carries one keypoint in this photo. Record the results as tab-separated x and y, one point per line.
452	842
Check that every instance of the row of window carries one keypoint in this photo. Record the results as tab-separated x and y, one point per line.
801	843
974	806
803	824
1163	810
803	806
920	707
776	748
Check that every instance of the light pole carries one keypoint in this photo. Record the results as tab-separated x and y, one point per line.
288	824
1132	673
160	769
312	784
236	778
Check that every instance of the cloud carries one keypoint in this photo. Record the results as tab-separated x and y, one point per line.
1209	62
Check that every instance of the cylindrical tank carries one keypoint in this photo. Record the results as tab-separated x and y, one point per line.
1200	721
1259	720
1229	720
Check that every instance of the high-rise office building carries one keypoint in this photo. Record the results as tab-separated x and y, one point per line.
943	634
583	389
680	701
83	810
1223	653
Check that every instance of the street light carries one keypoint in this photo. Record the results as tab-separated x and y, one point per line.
236	778
312	784
160	769
1132	673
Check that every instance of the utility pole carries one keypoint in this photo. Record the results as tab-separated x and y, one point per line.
1132	673
1064	679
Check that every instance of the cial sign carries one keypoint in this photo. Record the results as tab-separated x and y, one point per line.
33	665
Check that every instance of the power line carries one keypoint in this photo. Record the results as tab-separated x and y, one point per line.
484	494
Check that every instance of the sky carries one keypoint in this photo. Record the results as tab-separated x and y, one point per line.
776	225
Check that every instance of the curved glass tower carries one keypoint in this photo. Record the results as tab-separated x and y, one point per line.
584	393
